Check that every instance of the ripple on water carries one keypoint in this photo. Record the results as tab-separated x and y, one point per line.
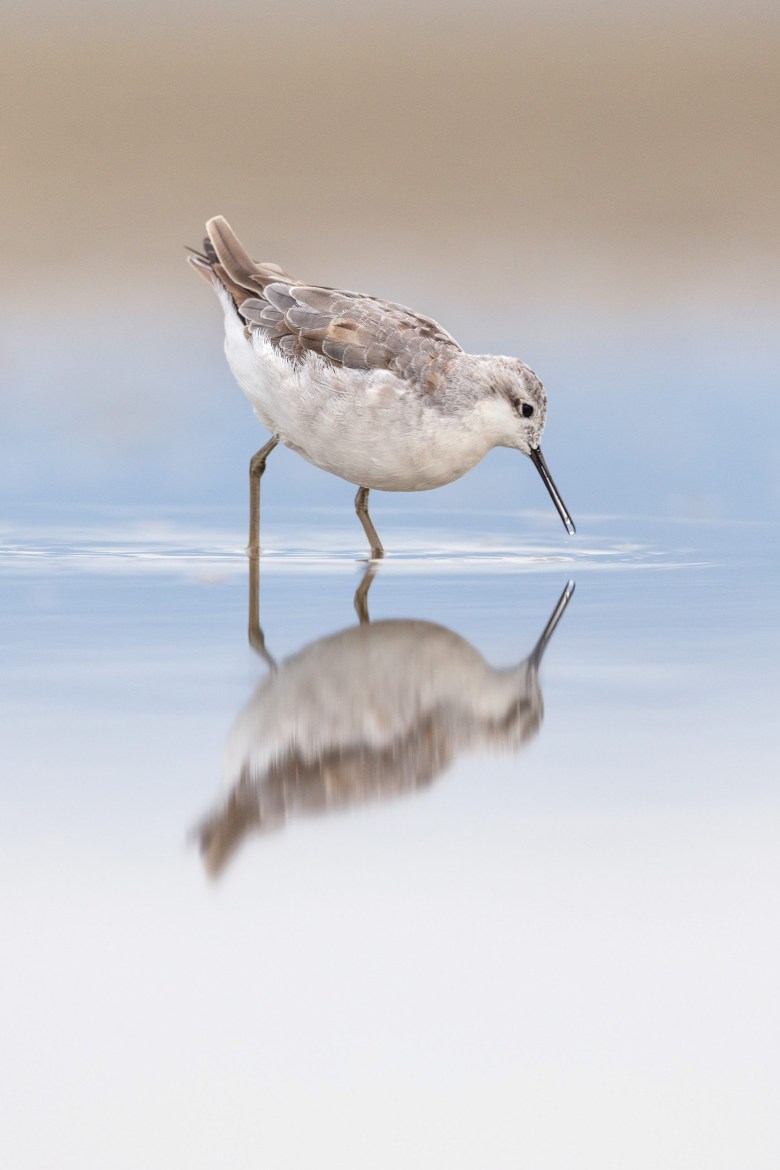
484	543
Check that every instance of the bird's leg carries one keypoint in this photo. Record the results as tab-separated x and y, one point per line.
361	507
256	469
361	593
255	630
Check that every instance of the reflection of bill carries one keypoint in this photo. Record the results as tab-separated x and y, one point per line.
367	714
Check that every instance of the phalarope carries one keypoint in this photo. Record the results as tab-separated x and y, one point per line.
367	714
366	389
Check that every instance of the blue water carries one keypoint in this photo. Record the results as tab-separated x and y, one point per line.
448	923
671	413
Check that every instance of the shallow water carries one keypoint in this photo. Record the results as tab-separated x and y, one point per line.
398	899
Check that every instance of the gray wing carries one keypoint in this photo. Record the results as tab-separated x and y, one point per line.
351	330
344	328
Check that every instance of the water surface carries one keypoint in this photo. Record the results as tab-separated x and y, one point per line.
406	896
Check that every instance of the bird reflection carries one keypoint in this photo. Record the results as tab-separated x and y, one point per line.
367	714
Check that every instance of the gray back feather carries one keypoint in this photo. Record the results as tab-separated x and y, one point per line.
345	328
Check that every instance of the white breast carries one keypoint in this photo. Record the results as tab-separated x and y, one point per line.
372	429
369	687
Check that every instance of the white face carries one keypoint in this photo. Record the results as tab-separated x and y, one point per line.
513	404
522	402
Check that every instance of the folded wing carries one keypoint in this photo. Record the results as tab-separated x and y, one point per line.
347	329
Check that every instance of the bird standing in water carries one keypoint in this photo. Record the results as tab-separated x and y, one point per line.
366	389
368	714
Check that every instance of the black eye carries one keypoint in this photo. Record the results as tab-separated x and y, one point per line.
527	410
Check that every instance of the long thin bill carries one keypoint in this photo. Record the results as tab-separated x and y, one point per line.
535	657
538	461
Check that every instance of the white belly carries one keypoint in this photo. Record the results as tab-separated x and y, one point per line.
371	429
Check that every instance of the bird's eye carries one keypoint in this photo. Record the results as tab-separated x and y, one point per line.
527	410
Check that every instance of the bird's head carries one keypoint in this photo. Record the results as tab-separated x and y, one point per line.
519	403
516	403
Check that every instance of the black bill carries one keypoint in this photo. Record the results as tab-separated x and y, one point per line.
535	657
538	461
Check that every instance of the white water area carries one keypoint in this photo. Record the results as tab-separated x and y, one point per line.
477	868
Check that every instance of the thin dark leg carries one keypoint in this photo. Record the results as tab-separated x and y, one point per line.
256	469
361	593
361	507
255	630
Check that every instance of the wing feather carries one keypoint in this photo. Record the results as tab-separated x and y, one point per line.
344	328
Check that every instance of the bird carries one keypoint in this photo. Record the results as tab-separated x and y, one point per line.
366	389
365	715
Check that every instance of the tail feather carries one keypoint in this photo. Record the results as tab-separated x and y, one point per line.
238	264
201	264
223	258
208	262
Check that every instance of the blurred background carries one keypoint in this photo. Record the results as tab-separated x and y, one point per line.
565	955
589	186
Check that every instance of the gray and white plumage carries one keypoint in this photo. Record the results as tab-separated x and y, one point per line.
364	388
367	715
